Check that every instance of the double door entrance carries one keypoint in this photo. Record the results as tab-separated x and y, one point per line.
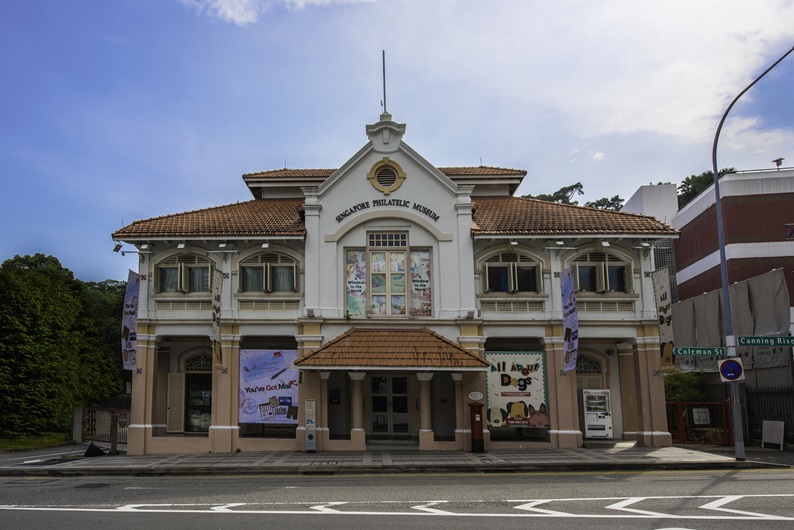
391	414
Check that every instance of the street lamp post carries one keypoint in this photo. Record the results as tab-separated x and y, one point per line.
730	339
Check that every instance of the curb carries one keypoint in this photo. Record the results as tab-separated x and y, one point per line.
327	470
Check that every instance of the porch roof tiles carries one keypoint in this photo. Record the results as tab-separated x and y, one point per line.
388	349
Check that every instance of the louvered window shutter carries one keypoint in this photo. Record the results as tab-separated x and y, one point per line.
268	279
512	278
156	283
628	270
575	275
487	284
184	278
601	280
175	421
539	277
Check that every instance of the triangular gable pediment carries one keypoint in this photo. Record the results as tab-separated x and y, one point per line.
386	145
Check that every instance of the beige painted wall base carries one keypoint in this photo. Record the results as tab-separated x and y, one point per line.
222	438
136	434
654	439
566	439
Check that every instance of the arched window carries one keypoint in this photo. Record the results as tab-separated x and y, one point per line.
510	272
271	272
600	272
187	273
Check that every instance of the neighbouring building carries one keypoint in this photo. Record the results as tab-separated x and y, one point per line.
756	211
377	301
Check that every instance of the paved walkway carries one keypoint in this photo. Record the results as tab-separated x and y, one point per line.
69	461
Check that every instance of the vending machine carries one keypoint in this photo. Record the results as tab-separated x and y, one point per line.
597	414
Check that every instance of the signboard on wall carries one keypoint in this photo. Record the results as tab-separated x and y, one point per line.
516	384
268	387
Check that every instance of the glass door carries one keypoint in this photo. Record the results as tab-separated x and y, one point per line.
198	402
390	413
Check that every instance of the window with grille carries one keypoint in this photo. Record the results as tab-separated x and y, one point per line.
183	274
601	272
270	272
388	278
511	272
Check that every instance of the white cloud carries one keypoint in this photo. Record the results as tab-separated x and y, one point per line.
242	12
598	156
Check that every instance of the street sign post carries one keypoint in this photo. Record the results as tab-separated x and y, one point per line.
766	341
705	352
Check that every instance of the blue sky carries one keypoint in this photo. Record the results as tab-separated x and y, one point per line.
117	111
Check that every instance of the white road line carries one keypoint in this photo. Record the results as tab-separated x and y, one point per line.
324	508
428	508
624	506
532	507
717	505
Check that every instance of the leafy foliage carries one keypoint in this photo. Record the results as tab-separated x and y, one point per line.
566	194
615	203
562	195
691	186
55	351
684	386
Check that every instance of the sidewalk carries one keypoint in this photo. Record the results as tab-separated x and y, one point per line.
69	461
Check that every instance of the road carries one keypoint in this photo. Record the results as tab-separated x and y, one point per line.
619	500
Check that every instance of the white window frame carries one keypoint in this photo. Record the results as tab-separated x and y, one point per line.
602	261
183	265
512	261
268	261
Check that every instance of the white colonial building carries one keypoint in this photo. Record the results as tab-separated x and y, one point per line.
379	300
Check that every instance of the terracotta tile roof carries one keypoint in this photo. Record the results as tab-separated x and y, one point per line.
273	217
419	349
518	216
325	173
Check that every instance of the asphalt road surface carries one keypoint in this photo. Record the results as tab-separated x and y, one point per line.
620	500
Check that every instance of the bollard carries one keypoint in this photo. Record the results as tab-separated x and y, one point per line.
114	433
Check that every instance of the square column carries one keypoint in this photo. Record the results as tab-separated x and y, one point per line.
358	438
426	435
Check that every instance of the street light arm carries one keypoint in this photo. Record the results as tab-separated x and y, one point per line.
730	340
719	127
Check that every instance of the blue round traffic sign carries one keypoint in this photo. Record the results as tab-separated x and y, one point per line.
731	369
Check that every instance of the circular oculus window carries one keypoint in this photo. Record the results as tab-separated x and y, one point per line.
386	176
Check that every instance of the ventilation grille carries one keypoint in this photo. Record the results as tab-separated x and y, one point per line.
183	305
604	306
510	306
269	305
386	177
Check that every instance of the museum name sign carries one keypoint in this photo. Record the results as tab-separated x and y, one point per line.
381	203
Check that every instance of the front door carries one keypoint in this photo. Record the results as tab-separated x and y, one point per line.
390	413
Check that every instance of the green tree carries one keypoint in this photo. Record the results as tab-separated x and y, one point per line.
684	386
566	194
615	203
53	356
691	186
562	195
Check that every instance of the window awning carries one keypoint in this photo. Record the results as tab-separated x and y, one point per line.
390	349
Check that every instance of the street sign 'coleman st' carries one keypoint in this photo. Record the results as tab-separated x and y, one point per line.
699	351
766	341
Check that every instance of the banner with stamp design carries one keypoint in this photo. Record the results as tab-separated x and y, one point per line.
268	387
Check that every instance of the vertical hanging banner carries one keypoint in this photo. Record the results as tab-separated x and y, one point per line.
664	311
217	352
129	322
268	387
570	321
